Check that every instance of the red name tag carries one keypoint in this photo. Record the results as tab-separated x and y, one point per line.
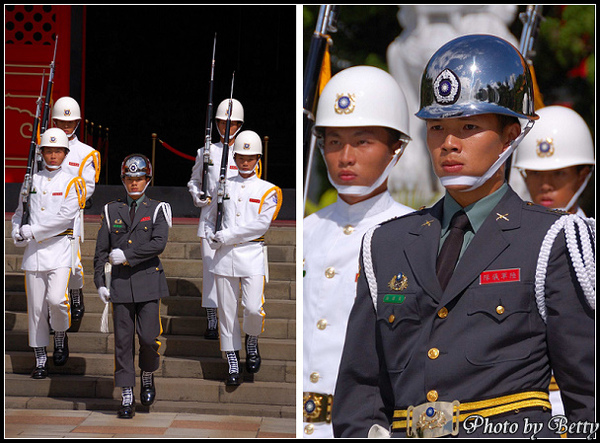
500	276
254	200
73	164
57	193
145	219
233	167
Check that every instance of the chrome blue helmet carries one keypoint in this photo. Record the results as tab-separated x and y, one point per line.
476	74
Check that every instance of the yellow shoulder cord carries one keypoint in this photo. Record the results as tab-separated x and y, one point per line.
279	200
79	185
95	162
258	168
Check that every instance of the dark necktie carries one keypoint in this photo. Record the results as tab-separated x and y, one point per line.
132	211
448	257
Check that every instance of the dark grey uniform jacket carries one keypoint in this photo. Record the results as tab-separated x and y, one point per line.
142	240
482	353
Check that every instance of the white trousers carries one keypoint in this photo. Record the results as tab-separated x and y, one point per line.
47	296
252	291
209	289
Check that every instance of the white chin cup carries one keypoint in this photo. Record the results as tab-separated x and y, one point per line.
361	191
475	182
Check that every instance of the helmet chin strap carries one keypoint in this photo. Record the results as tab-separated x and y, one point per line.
361	191
475	182
573	200
136	194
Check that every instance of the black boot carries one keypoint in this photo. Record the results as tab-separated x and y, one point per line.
77	306
233	359
253	359
41	364
212	328
148	392
127	409
61	348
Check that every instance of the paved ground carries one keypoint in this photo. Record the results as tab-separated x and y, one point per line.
36	423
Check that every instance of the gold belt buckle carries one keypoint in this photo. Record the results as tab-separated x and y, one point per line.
433	419
317	407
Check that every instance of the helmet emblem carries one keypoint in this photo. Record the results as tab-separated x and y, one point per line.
67	112
446	87
52	139
344	103
132	167
545	147
246	145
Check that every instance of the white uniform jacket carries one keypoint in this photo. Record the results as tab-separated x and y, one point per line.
332	241
252	205
214	169
55	200
83	161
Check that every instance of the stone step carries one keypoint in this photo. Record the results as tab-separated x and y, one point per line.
168	389
171	345
207	368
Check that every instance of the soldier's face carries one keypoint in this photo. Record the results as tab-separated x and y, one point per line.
554	189
357	156
67	126
233	127
246	163
53	156
135	185
468	146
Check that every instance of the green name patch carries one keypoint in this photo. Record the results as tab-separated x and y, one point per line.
394	298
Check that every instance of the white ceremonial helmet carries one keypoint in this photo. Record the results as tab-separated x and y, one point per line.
247	143
237	110
559	139
54	138
363	96
67	109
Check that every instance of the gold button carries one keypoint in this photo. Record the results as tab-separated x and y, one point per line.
432	395
309	429
391	318
500	310
314	377
433	353
129	241
443	313
43	209
157	269
322	324
330	272
238	214
348	229
45	192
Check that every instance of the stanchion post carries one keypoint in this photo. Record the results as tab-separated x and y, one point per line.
153	156
264	172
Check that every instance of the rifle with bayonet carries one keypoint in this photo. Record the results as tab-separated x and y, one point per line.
222	189
209	122
31	160
46	114
326	22
531	19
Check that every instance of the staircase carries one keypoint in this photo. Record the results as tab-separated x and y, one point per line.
193	369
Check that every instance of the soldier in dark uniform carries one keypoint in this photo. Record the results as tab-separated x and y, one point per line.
434	348
132	234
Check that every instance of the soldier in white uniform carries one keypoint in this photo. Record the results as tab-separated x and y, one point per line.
206	202
82	161
240	259
556	161
55	199
362	124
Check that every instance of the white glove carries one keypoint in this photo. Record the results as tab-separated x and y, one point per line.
117	257
104	294
26	232
18	240
200	200
215	240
